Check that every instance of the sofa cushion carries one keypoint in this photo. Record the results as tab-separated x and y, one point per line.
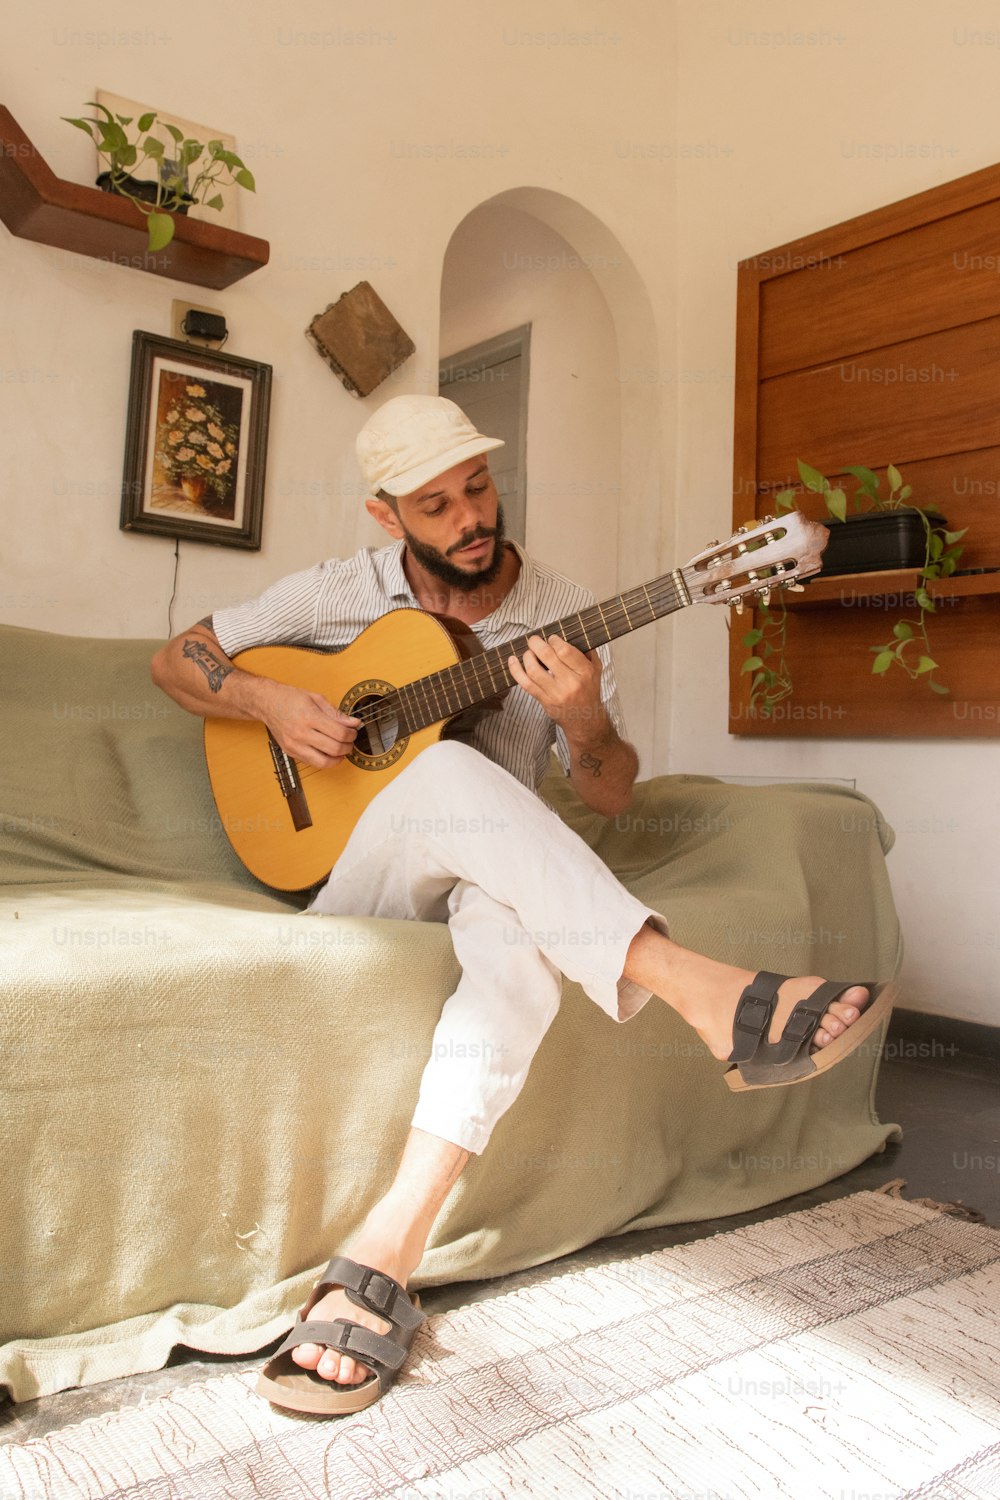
101	771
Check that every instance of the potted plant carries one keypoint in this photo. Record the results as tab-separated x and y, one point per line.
171	191
919	538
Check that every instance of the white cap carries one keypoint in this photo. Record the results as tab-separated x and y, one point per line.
412	439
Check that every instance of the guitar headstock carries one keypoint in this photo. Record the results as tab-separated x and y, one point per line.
770	554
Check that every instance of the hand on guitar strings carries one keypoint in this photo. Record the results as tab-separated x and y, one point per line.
308	727
565	681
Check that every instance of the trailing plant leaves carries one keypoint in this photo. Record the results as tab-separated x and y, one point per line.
216	202
867	478
178	135
751	664
836	504
954	536
161	230
752	637
894	477
784	500
245	180
883	661
812	478
146	120
938	687
925	664
902	631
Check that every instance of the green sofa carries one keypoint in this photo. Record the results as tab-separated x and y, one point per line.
197	1074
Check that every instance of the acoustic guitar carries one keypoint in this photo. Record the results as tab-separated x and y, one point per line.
407	676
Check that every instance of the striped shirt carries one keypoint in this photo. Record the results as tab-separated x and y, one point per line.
328	605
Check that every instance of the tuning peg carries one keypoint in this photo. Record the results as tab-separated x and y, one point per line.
766	520
794	588
737	604
764	595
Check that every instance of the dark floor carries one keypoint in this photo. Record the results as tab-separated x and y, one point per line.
948	1106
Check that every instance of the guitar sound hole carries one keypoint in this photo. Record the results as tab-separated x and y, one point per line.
379	733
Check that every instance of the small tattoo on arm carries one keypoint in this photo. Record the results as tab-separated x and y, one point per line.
206	661
591	763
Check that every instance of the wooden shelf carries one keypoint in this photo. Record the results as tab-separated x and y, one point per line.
37	205
847	588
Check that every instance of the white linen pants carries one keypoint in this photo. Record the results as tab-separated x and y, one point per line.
455	838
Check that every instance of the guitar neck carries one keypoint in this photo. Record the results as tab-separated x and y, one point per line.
439	696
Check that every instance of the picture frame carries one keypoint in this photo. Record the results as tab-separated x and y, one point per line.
195	443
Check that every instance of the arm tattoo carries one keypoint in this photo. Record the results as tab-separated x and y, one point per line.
591	763
206	661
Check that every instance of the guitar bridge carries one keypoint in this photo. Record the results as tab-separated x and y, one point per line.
290	783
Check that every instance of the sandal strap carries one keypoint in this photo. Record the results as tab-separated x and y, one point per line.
756	1007
374	1291
347	1337
753	1015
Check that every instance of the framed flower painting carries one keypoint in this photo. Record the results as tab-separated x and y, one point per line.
195	443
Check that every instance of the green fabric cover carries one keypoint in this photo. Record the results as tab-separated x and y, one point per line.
206	1089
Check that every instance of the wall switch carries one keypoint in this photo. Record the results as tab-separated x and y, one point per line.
179	311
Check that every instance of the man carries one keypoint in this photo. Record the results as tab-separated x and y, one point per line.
514	886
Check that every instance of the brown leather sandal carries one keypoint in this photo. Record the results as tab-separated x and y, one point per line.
286	1384
761	1064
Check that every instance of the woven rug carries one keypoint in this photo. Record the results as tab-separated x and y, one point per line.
848	1351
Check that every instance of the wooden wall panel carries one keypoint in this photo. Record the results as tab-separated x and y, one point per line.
837	697
932	395
878	341
898	288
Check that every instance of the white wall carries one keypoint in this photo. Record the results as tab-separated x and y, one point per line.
373	133
805	114
503	268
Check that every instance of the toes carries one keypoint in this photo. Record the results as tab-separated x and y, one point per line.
307	1355
329	1364
841	1015
341	1368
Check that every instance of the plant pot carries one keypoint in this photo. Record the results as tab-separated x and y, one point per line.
193	487
141	188
876	541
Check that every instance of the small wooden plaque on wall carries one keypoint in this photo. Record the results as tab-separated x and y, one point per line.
360	339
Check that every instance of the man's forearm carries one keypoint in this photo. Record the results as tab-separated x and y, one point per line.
194	670
602	767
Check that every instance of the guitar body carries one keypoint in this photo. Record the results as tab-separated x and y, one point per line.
254	811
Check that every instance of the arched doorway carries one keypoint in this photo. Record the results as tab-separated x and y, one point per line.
534	258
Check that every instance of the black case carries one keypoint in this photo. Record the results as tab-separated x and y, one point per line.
877	540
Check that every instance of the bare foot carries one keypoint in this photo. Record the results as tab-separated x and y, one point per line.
706	993
377	1246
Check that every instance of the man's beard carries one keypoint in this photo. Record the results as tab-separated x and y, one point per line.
437	564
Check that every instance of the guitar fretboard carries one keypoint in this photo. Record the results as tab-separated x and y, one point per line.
443	694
